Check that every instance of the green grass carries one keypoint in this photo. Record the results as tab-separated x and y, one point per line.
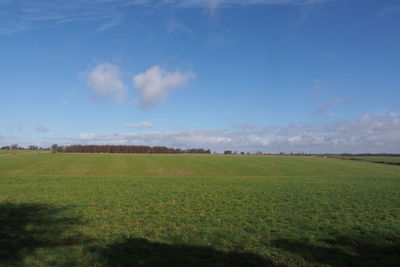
199	210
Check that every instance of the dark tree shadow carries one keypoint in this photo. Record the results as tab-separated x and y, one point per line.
345	251
27	227
141	252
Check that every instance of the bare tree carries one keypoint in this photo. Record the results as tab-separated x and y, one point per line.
14	146
54	148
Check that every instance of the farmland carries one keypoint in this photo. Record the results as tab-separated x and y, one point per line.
198	210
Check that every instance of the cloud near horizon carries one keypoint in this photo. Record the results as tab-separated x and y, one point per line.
369	133
140	125
154	85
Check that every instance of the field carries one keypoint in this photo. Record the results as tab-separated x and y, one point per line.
197	210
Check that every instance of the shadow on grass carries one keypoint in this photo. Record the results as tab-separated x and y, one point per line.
345	251
24	228
141	252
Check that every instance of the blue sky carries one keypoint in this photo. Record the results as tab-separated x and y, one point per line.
268	75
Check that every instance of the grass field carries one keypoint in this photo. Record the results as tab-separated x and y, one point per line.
197	210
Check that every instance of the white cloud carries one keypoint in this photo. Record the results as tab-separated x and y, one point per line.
369	133
140	125
391	114
41	128
154	85
105	79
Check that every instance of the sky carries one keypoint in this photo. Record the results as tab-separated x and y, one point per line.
313	76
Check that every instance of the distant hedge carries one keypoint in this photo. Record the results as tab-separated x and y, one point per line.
126	149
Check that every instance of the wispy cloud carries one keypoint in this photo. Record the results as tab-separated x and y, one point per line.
22	15
210	5
154	85
369	133
113	22
15	127
174	26
389	10
140	125
327	105
213	4
64	100
41	128
315	89
306	11
105	79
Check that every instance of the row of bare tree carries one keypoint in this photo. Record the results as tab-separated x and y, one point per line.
125	149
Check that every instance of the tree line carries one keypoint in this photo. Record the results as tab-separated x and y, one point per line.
125	149
17	147
166	150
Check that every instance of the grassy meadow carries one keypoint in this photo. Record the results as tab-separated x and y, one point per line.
197	210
